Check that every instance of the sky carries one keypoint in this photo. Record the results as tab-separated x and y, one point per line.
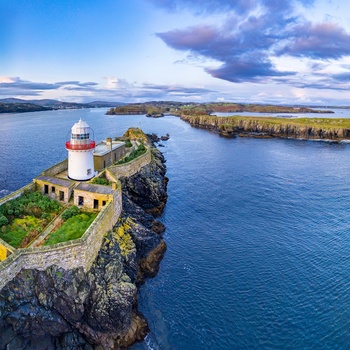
252	51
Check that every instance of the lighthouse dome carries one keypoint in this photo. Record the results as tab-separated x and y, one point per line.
80	127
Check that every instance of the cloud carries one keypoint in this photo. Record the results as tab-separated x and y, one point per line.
317	41
115	89
176	89
222	6
253	35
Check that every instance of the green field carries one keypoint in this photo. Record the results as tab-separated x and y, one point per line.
71	229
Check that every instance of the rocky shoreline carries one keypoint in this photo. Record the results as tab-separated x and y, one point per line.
260	127
70	309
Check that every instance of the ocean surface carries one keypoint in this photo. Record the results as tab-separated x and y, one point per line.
258	232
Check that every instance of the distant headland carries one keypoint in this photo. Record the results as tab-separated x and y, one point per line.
16	105
191	108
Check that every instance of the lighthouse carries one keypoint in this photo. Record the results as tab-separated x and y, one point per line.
80	152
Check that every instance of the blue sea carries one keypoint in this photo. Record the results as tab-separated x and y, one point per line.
258	231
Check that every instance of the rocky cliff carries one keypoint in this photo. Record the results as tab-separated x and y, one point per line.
71	309
330	129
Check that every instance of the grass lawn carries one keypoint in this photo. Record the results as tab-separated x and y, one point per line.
20	228
73	228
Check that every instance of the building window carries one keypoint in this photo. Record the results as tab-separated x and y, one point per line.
61	196
104	203
46	189
95	203
115	156
53	189
80	200
104	163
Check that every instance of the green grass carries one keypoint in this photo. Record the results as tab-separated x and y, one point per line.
15	233
141	149
73	228
100	181
24	218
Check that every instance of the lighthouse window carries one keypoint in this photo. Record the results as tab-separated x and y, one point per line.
80	136
89	172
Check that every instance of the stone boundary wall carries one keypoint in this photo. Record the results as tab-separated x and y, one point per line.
132	167
56	169
13	195
68	255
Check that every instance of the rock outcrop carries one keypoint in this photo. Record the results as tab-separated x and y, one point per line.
327	129
73	309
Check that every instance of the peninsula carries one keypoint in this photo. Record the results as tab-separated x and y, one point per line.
64	285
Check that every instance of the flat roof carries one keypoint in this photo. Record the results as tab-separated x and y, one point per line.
83	186
56	181
103	148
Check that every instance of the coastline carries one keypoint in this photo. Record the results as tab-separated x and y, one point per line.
317	129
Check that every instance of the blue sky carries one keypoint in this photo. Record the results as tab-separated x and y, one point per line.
258	51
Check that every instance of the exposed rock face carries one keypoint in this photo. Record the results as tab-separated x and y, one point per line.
148	187
228	126
71	309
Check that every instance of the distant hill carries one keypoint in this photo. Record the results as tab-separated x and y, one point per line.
53	104
21	107
105	104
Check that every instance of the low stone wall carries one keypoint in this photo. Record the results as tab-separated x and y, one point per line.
30	187
56	169
133	167
104	222
68	255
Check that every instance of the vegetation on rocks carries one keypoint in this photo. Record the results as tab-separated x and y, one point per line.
126	244
136	134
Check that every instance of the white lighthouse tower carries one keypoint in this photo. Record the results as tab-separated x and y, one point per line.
80	152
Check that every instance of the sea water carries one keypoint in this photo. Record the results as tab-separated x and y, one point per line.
258	232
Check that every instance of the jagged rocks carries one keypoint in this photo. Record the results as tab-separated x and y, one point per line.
148	188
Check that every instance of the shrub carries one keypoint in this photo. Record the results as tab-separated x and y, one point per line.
70	212
128	143
141	149
3	220
100	181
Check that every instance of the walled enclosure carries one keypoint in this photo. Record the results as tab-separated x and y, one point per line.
76	253
131	168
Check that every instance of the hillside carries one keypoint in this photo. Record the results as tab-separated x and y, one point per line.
21	107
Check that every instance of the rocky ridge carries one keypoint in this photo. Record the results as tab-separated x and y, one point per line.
70	309
264	128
